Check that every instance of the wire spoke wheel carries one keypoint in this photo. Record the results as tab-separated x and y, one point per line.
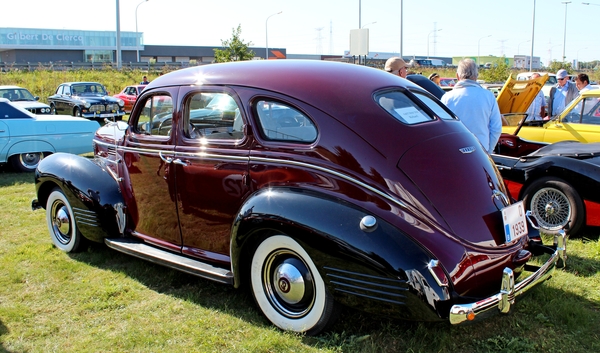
551	207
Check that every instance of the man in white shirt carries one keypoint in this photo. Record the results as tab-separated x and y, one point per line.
474	105
582	81
537	109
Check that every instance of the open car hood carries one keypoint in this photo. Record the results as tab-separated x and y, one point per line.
517	96
458	178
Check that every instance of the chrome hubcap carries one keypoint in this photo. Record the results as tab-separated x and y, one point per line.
61	222
551	207
288	284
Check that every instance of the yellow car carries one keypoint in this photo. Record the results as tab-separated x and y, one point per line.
580	121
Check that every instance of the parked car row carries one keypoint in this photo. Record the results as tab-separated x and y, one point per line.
338	185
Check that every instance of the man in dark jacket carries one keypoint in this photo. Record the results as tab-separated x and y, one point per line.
562	94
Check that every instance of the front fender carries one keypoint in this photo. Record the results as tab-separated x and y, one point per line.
94	195
377	270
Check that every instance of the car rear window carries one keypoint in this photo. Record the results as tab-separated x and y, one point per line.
407	111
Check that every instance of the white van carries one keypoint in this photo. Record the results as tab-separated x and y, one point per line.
524	76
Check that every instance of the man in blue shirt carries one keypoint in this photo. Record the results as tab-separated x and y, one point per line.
562	94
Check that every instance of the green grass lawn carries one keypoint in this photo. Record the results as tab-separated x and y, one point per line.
104	301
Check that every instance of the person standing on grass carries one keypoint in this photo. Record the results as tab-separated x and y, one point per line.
474	105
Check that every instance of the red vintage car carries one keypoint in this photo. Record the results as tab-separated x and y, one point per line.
129	94
324	184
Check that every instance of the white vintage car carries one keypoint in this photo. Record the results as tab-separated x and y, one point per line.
25	138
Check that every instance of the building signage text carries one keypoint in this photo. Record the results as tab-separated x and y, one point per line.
44	37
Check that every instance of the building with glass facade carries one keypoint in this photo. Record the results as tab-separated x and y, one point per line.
30	45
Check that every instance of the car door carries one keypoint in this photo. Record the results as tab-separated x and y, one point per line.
211	168
4	138
148	176
580	122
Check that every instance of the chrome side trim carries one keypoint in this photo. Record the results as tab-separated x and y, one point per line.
205	155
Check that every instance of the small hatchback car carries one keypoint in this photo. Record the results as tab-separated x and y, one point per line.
314	183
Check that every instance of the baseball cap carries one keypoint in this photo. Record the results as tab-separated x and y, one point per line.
562	73
395	64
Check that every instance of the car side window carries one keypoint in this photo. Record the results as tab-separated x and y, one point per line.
67	90
590	110
156	117
401	107
213	116
281	122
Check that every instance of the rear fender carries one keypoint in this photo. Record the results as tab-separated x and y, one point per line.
30	147
94	195
368	266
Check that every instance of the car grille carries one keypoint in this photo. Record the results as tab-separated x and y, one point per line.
97	108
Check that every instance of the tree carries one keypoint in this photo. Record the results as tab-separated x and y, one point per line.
234	49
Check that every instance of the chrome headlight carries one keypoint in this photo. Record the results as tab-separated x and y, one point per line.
120	102
87	105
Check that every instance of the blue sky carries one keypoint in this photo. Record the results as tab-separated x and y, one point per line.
323	26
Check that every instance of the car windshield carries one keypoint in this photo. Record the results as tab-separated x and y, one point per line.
89	89
16	94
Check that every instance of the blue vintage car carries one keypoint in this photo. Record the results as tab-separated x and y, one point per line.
25	138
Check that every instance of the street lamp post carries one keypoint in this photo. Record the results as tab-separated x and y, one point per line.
519	46
578	57
137	35
436	30
267	35
478	47
565	34
519	51
370	23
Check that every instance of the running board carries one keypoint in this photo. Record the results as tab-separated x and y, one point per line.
175	261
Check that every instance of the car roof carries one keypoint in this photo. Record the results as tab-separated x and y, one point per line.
305	80
82	82
9	87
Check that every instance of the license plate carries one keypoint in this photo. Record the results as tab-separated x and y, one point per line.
515	225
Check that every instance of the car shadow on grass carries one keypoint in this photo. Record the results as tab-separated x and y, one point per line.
545	311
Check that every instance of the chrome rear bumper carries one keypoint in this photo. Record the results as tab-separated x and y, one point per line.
461	313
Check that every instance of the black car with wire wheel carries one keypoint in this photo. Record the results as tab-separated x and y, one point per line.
86	99
559	182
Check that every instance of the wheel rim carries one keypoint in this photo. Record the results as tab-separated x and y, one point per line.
288	284
61	222
551	208
30	160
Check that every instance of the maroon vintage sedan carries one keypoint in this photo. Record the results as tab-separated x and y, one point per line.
129	94
314	183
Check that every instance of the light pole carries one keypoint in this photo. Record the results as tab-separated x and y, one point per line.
370	23
435	30
519	46
589	3
267	35
578	56
479	46
137	35
532	38
118	35
565	34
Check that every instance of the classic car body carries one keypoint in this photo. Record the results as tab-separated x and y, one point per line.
23	98
26	138
128	95
559	182
580	121
330	184
86	99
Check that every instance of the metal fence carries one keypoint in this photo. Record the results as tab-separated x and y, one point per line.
69	66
